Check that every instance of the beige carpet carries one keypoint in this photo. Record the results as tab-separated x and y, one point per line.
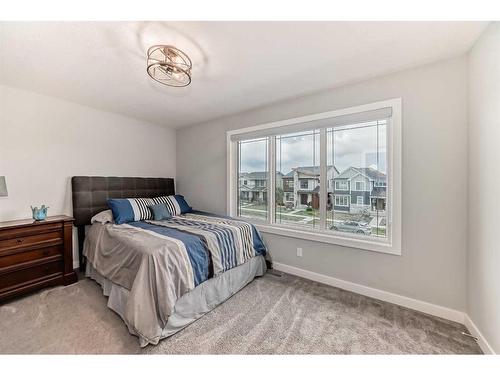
272	315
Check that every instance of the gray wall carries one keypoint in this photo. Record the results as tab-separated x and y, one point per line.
432	265
45	140
483	263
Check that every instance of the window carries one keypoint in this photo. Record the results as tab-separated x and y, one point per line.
341	185
342	200
360	185
252	202
359	152
355	148
288	184
298	154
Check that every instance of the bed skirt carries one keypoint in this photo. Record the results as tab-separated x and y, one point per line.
192	305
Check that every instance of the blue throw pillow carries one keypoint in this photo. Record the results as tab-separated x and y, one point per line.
160	211
183	205
176	204
132	209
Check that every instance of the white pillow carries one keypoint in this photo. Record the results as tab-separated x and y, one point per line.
103	217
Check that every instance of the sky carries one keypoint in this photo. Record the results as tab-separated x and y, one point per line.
353	145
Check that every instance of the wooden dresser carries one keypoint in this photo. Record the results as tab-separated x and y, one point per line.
35	254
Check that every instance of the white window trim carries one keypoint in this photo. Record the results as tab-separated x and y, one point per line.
360	182
342	189
362	200
394	154
342	196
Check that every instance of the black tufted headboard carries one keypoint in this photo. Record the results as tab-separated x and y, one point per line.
90	194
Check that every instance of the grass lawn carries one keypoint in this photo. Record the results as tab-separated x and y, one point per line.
280	216
260	214
254	206
302	217
314	213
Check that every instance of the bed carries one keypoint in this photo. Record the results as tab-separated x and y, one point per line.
161	276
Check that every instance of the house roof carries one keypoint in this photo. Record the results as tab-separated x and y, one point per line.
371	173
311	171
256	175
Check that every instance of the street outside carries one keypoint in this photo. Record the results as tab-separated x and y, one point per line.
310	218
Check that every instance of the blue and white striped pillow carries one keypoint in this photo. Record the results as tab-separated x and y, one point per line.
176	204
130	209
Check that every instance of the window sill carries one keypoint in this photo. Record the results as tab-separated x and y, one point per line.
328	237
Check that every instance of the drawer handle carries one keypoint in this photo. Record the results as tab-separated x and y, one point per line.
19	240
46	269
45	253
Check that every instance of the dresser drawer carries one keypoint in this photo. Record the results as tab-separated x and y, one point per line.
29	255
42	239
35	228
25	276
35	255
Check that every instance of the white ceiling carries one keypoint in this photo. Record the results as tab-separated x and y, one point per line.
237	65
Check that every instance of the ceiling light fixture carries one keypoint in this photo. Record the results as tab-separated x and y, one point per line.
169	65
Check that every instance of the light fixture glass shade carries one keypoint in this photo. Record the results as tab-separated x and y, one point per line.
3	187
169	65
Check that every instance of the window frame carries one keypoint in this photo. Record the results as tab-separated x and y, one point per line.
344	198
356	184
342	189
390	245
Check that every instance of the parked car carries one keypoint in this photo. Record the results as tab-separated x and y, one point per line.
353	227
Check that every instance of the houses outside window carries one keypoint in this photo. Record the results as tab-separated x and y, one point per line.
355	151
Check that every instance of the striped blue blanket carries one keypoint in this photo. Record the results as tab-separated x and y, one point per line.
214	244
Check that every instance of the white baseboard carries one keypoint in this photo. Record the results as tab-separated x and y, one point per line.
425	307
483	344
